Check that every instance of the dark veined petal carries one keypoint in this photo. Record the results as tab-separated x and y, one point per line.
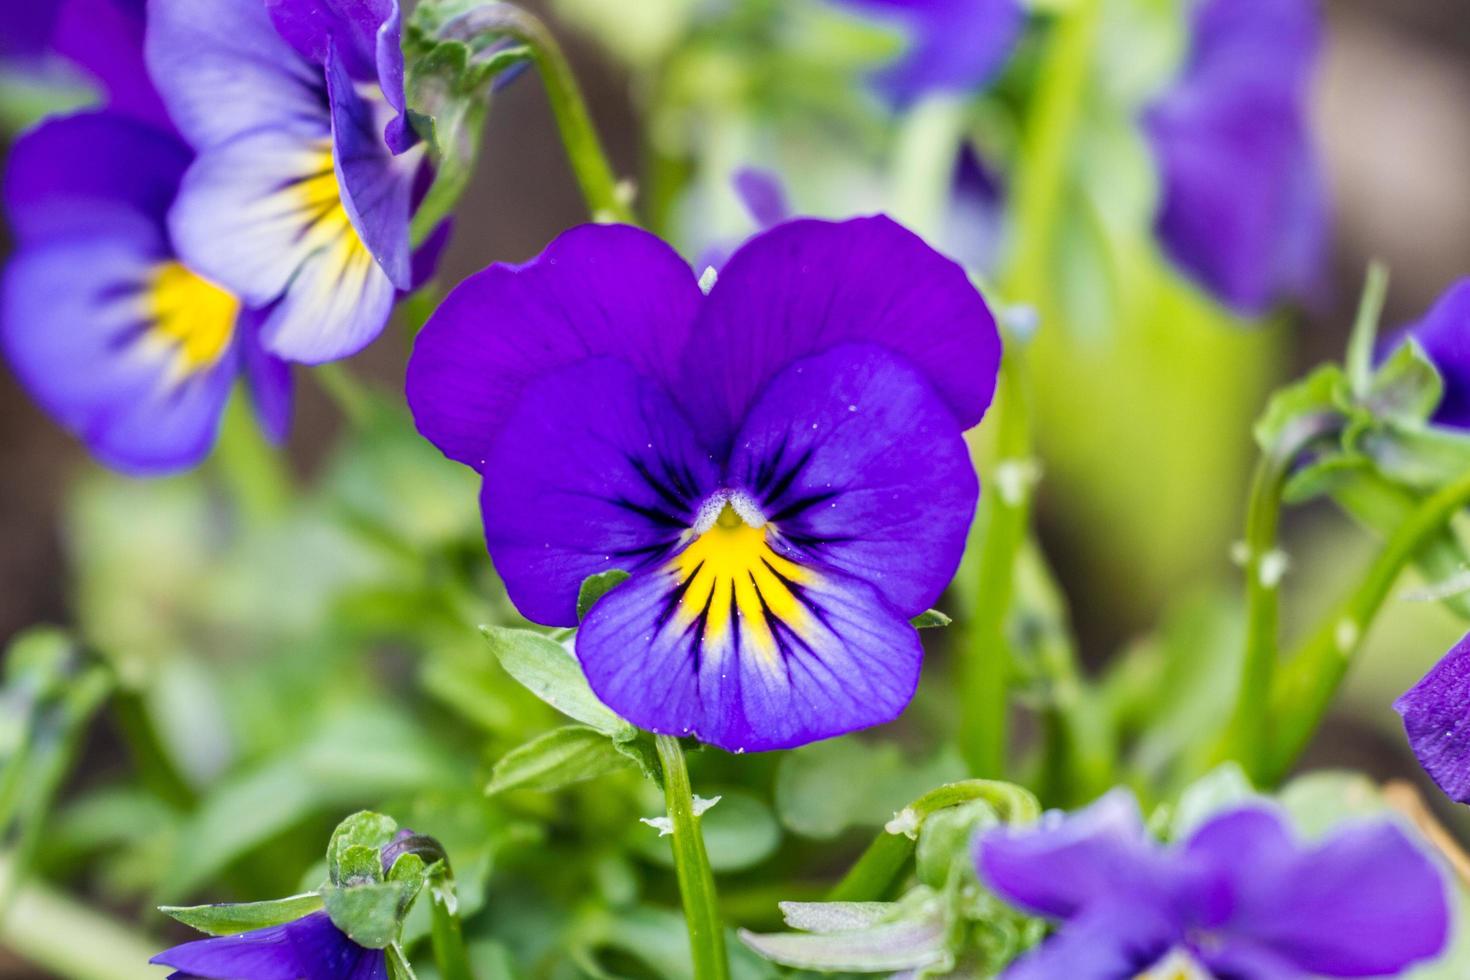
264	215
954	46
595	469
735	645
857	465
53	185
1444	333
806	286
595	290
1365	902
223	70
1437	724
105	39
310	948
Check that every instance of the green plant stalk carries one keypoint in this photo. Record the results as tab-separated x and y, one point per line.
154	764
579	137
691	865
254	472
871	878
928	142
1364	338
1306	685
445	934
68	939
345	391
1246	734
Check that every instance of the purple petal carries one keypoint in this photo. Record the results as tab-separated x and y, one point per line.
311	948
1117	943
1437	723
1068	864
763	194
28	27
223	70
337	304
955	45
1367	902
375	187
828	453
105	39
268	377
595	469
596	290
53	185
1243	207
808	285
737	646
1444	333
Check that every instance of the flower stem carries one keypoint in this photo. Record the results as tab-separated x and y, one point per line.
346	392
251	468
579	137
155	765
445	935
1305	686
691	863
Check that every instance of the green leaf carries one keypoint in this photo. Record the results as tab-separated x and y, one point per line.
1221	788
912	938
558	758
930	619
370	914
1423	457
594	587
945	838
818	793
550	672
1322	477
353	853
1407	388
1299	413
229	919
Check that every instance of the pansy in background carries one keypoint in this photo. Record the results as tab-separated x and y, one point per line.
1239	898
1438	724
1243	209
309	947
779	465
1444	334
954	46
297	201
124	344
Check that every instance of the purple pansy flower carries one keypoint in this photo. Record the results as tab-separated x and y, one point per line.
1243	208
1240	897
1444	334
778	464
310	948
296	200
1438	724
954	45
109	330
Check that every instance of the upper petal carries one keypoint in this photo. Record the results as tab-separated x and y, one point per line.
223	70
595	290
808	285
595	469
105	39
857	465
1437	724
1444	333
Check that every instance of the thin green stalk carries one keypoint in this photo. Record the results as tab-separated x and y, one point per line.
1246	736
1307	683
691	864
1363	341
871	878
445	934
584	148
346	392
923	167
154	764
248	464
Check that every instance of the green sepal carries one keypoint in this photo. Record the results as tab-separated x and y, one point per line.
370	914
945	838
353	855
232	918
1303	412
558	758
1407	387
594	587
930	619
1424	457
550	672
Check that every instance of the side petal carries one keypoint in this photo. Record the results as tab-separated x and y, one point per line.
807	285
310	948
856	464
53	185
313	27
595	469
337	303
1119	943
596	290
767	656
1437	724
955	45
268	376
375	187
223	70
1444	333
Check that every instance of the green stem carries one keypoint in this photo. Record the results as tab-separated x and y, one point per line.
154	763
584	148
1306	685
1246	737
1364	338
871	878
691	864
923	168
251	468
68	940
347	393
445	935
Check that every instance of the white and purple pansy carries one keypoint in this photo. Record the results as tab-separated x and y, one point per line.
780	464
301	196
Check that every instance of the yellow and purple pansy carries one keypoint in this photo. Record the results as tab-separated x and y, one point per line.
778	464
300	198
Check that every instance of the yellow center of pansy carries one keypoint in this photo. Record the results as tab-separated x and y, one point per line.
190	316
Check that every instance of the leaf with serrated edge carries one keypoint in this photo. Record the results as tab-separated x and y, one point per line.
558	758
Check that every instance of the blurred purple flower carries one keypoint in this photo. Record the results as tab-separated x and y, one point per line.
297	200
779	464
105	326
1240	898
1438	724
954	45
1243	207
310	948
1444	333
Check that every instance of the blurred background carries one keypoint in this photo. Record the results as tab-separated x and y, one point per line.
1142	497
